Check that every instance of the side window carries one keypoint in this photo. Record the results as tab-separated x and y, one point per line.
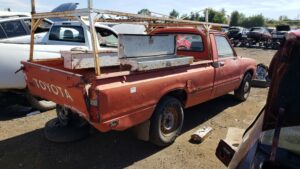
2	34
28	23
223	47
67	33
43	27
107	38
13	29
187	42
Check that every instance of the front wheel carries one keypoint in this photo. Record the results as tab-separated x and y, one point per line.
166	122
242	93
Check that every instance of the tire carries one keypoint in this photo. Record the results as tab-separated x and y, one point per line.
67	117
56	132
242	93
260	83
166	122
42	105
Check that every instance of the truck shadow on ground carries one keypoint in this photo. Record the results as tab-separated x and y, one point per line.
100	150
14	111
201	113
13	106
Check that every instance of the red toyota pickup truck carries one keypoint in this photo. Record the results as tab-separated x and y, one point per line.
120	98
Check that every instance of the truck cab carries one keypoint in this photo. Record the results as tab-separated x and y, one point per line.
228	67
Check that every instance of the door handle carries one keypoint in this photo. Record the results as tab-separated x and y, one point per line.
221	63
218	64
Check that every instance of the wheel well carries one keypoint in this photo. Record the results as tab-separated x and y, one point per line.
179	94
250	71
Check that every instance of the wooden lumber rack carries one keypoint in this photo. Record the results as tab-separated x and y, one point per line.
97	15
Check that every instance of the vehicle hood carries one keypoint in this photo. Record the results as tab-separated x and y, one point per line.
284	92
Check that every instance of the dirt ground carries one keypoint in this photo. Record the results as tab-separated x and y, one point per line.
23	145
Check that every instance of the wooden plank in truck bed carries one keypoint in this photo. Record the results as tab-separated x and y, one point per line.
85	59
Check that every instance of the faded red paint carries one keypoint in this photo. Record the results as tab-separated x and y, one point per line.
124	98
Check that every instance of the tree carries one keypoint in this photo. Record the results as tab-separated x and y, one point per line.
213	16
174	14
252	21
283	18
235	18
223	11
216	16
144	12
195	16
185	17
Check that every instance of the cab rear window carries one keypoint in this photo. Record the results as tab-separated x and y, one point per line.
188	42
67	33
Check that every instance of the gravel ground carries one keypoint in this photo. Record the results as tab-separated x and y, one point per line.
22	144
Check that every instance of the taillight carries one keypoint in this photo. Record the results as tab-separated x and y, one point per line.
94	106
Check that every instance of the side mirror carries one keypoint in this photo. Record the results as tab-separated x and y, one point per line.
224	152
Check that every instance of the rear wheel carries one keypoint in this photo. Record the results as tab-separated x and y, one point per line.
242	93
67	127
59	133
166	122
67	117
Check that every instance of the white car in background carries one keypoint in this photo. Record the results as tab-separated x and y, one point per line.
62	36
50	39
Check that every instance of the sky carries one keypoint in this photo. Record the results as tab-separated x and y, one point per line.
269	8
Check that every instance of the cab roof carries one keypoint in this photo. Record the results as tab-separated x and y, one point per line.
191	30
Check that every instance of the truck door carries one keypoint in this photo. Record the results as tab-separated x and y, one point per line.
226	67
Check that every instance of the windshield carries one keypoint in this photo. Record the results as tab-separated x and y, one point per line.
234	29
283	28
107	38
289	138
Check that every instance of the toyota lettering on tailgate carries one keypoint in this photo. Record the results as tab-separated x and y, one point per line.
56	90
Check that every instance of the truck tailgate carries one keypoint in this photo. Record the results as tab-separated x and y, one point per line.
62	87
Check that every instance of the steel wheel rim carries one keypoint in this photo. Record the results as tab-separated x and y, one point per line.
246	89
63	115
169	121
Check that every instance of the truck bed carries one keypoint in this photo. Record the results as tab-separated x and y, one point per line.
106	72
70	87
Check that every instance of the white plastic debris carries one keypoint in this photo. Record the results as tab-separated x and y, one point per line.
201	134
33	113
